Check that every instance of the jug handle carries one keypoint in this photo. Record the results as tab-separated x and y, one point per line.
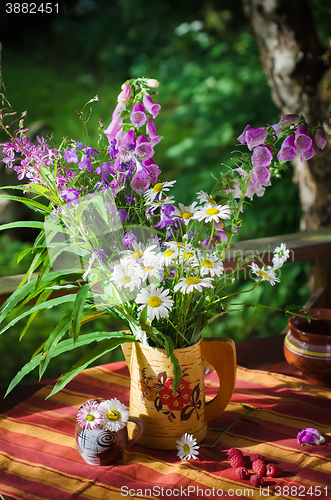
221	354
140	426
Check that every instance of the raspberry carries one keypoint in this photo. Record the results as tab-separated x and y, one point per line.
237	461
255	456
256	480
258	467
235	451
273	470
242	473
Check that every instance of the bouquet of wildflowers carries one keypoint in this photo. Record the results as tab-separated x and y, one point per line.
113	229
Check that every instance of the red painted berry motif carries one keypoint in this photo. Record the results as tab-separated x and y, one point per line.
255	456
237	461
242	473
258	467
273	470
235	451
256	480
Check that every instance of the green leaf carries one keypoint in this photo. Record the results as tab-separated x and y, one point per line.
78	310
65	346
33	224
104	347
28	202
42	298
177	372
52	342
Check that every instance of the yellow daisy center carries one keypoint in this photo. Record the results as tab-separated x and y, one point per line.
158	187
113	415
90	417
187	215
186	449
187	255
168	253
212	211
137	254
192	280
208	263
154	301
148	268
211	200
126	279
263	274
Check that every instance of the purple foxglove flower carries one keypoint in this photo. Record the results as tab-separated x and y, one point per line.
117	111
151	132
123	215
128	239
130	199
260	175
309	435
70	155
85	164
287	151
289	119
320	138
144	148
138	117
114	127
125	94
307	154
154	170
277	129
105	169
327	127
128	143
140	182
262	156
253	136
150	106
302	139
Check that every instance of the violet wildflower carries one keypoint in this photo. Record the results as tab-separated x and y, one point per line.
262	156
128	239
287	151
112	149
302	139
85	164
130	199
71	195
138	117
91	152
320	138
100	254
105	169
123	215
165	216
309	435
150	106
70	155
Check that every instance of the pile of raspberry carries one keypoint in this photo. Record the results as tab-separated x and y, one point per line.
260	469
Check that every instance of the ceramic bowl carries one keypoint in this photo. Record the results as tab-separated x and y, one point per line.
307	346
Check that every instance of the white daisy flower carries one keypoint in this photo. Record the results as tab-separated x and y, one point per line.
126	276
138	252
187	447
158	189
186	212
203	197
151	269
188	285
169	200
157	300
141	336
281	254
89	416
169	256
264	274
115	414
213	212
211	265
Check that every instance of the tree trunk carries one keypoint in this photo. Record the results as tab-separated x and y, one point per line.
297	71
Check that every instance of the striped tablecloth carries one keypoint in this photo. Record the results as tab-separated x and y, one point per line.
39	461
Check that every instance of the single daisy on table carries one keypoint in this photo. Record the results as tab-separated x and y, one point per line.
89	416
192	283
210	212
115	414
157	190
187	447
264	274
211	265
157	300
281	254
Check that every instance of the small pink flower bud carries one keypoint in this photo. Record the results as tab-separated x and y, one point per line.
327	127
290	119
320	138
125	94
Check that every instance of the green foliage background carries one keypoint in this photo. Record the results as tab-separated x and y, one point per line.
211	85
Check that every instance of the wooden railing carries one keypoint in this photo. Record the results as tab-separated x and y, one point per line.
314	247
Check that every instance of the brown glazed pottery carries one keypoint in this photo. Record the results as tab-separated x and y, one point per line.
307	346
